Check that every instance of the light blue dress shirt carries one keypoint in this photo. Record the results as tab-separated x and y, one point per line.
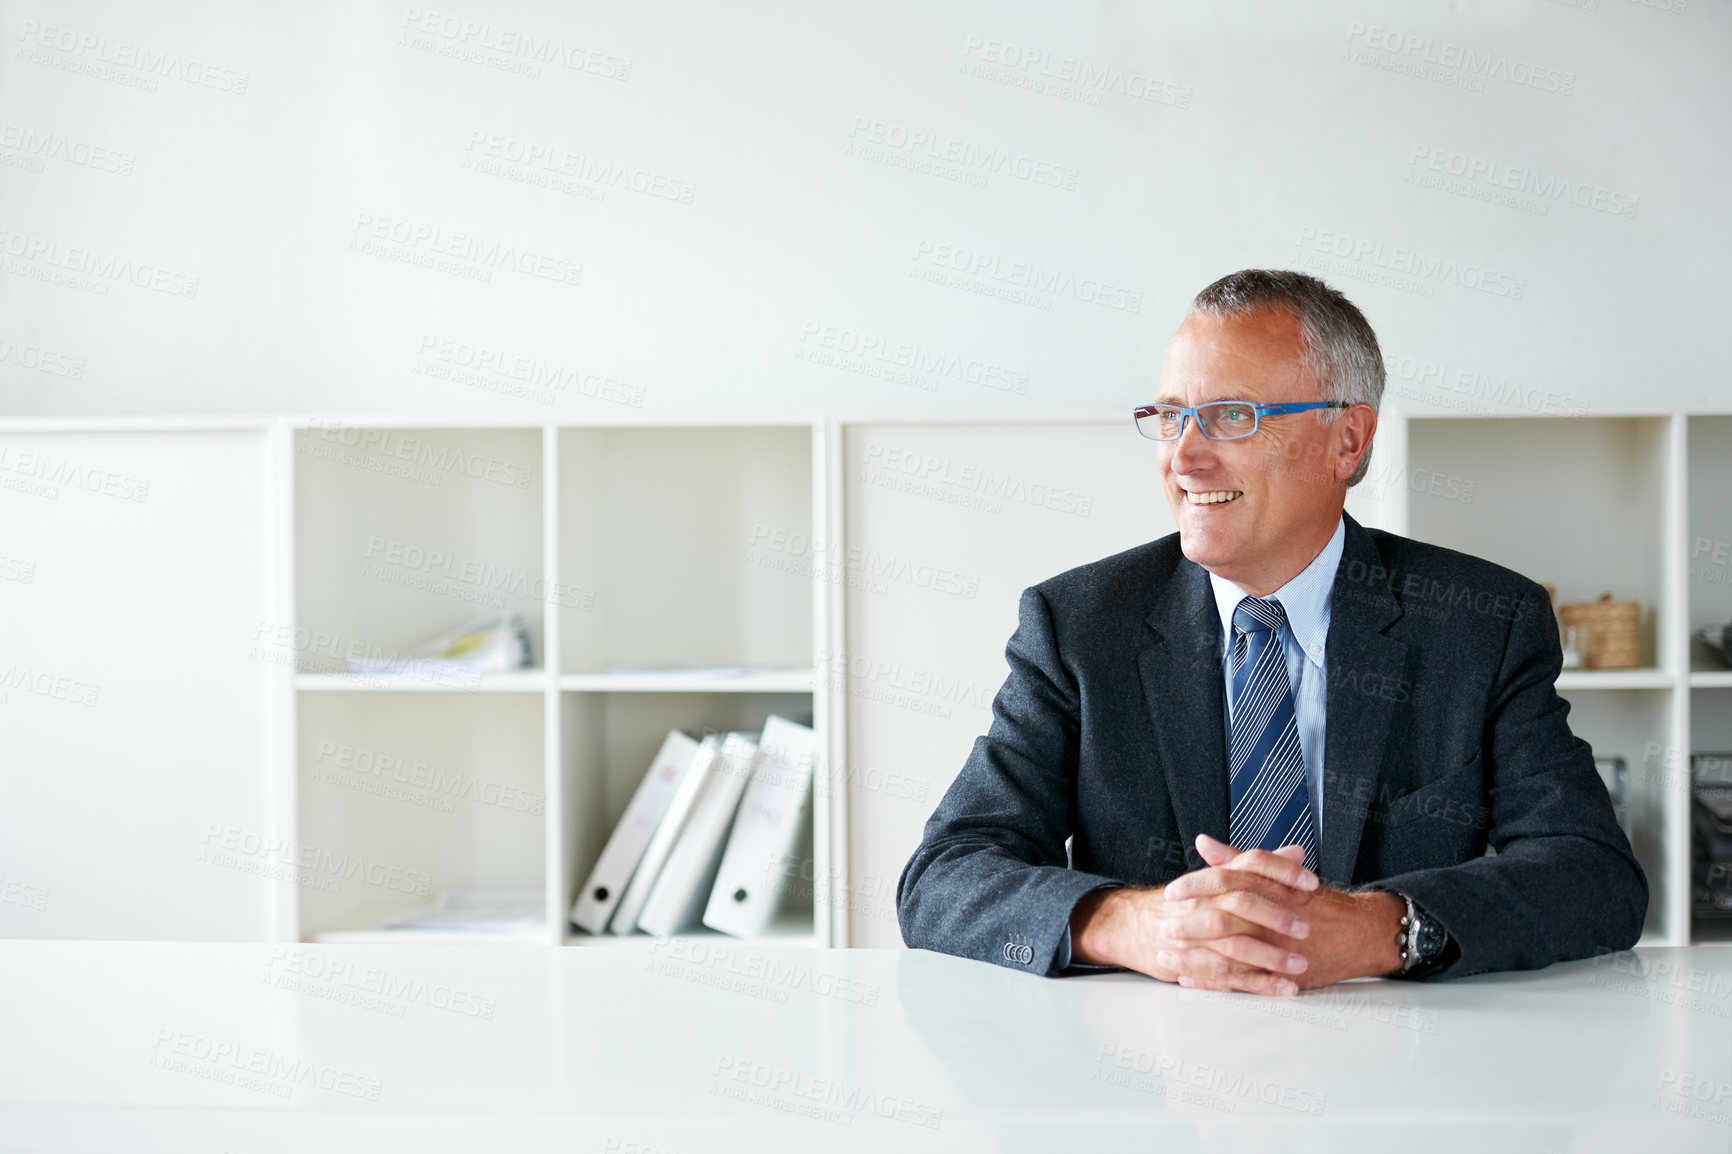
1306	600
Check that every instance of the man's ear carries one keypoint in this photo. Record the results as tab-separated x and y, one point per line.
1353	430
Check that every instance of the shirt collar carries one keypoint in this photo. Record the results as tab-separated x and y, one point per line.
1305	599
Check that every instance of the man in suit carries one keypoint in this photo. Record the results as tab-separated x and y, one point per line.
1276	750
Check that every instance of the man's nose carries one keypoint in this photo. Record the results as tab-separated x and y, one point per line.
1192	451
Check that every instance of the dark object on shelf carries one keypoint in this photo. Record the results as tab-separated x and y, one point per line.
1719	639
1711	835
1612	640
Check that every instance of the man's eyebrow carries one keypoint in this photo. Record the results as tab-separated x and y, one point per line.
1168	399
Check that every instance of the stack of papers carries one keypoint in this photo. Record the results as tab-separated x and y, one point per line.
491	645
476	912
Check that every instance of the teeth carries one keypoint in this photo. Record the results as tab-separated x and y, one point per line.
1214	498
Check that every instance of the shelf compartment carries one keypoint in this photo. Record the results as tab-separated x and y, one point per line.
1710	730
609	740
689	546
1708	538
1491	475
402	535
402	795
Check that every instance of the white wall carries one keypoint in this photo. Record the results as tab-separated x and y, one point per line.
1274	128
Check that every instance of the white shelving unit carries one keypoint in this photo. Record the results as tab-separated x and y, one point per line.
1627	499
316	801
272	545
628	552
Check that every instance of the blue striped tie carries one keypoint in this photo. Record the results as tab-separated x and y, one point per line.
1267	783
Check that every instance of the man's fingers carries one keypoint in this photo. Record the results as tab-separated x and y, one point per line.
1262	910
1234	913
1288	870
1198	962
1201	967
1250	982
1259	954
1216	853
1232	937
1224	879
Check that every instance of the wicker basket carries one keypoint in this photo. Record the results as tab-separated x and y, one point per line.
1610	629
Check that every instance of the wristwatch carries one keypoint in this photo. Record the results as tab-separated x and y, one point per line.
1421	939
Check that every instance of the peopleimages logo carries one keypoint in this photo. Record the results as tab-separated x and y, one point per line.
551	160
494	369
797	1092
105	267
874	139
930	469
41	360
1421	269
443	459
464	253
1023	282
40	466
1458	58
1068	77
1496	178
866	351
87	52
40	146
463	37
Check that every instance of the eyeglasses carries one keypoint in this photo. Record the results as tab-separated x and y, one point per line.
1219	420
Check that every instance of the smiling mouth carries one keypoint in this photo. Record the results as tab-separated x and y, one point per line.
1217	497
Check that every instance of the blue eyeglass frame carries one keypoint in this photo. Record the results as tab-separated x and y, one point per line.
1258	411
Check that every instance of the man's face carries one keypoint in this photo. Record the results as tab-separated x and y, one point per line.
1256	510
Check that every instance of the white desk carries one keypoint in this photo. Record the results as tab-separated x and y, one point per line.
684	1048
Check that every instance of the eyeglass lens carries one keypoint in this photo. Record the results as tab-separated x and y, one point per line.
1221	420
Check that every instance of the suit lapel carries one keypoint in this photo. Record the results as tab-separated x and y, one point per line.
1365	682
1182	686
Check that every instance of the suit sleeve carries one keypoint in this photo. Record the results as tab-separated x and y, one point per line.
1564	883
990	879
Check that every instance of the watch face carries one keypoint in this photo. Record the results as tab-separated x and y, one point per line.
1429	941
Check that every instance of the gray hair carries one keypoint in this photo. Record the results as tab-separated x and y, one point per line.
1341	352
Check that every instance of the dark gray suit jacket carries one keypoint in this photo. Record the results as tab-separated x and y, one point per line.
1444	735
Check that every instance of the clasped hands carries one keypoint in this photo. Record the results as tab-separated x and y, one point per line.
1255	921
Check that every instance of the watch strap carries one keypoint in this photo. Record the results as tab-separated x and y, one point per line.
1408	938
1414	923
